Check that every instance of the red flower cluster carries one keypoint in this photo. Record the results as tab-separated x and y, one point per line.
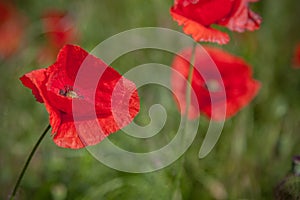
59	28
197	17
235	77
11	29
54	86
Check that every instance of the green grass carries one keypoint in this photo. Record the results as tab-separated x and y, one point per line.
252	156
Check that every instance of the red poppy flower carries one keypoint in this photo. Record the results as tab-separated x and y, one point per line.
11	29
93	119
222	82
297	57
197	17
60	29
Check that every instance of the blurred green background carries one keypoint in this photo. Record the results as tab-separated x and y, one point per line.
252	156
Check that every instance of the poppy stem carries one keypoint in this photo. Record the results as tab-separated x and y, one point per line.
190	77
28	161
177	193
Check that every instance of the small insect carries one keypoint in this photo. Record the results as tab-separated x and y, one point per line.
69	92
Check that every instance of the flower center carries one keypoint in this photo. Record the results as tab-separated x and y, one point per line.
188	2
69	92
212	85
194	1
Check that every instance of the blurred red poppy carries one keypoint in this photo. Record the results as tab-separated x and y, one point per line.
296	58
11	29
197	17
60	29
55	87
220	81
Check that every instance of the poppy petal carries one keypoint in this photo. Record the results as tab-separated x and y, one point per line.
83	116
199	32
69	59
198	16
33	80
242	18
77	136
36	81
12	26
296	58
236	76
59	28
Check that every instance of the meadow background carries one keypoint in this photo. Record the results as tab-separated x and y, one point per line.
252	156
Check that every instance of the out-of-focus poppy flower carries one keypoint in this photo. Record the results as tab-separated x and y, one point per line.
55	87
296	61
197	17
11	29
59	28
232	77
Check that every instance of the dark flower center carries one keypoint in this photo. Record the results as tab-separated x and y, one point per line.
69	92
212	85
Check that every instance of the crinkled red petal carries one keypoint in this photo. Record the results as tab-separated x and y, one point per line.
111	105
202	11
242	18
199	32
34	80
80	133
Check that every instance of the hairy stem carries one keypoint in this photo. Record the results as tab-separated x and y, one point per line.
177	194
27	162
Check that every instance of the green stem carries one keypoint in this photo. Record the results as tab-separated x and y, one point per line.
189	88
27	162
185	118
